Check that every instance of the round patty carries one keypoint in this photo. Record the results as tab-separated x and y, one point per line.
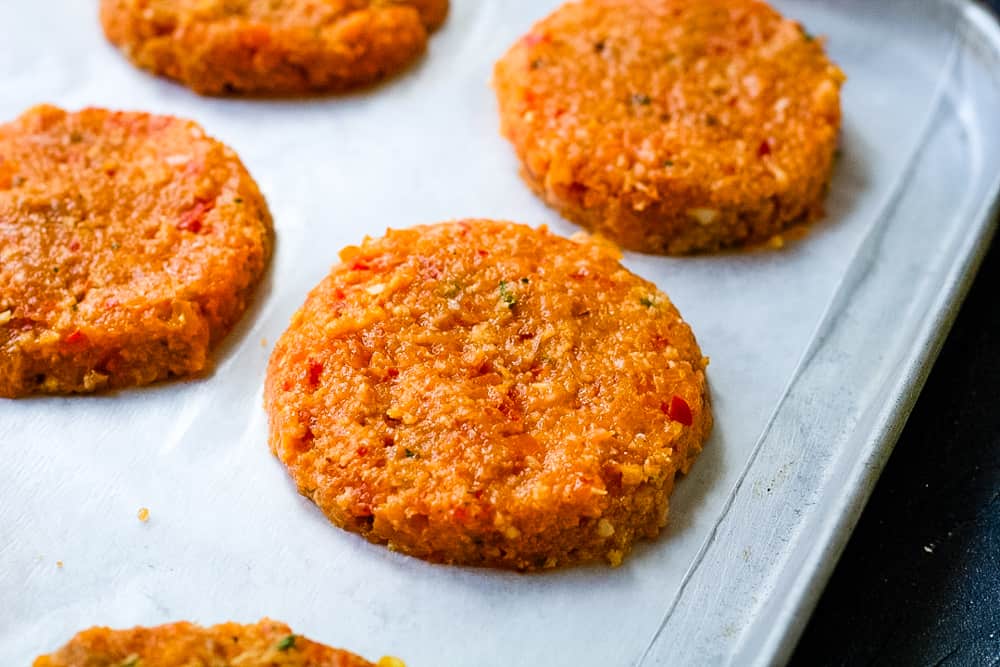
129	245
484	393
673	126
272	46
266	644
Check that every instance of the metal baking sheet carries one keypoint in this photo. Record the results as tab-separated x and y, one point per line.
818	351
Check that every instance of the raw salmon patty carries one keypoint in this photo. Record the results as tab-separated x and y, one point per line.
673	126
129	245
266	644
485	393
272	46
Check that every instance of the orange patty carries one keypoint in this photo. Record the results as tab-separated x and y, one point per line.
484	393
266	644
673	126
129	245
272	46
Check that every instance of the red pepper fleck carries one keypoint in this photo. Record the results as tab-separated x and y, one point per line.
661	342
76	337
315	370
576	190
393	372
679	411
764	149
192	219
361	265
307	441
482	253
339	294
362	451
460	513
74	246
531	39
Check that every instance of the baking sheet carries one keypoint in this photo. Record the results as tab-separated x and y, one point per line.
817	352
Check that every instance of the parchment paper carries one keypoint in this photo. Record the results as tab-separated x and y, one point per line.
228	536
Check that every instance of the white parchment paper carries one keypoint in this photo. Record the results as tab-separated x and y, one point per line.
228	537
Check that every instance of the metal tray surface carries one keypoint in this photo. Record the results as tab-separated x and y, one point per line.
818	352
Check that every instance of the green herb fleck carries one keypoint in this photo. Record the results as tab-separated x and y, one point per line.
115	245
537	63
238	200
668	163
808	35
647	301
55	269
454	290
131	661
525	281
75	137
410	454
641	99
506	295
287	643
599	46
711	121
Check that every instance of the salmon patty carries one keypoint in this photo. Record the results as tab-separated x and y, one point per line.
485	393
673	126
266	644
286	47
129	245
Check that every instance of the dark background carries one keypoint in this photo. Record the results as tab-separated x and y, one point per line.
919	582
